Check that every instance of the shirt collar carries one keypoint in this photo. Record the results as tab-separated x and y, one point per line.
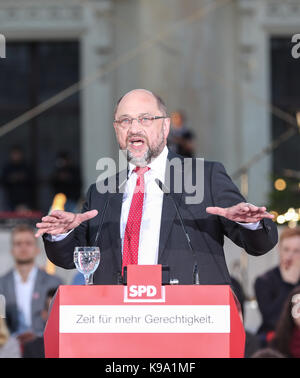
31	275
158	165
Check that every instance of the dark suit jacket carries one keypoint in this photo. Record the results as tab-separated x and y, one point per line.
206	232
44	282
34	348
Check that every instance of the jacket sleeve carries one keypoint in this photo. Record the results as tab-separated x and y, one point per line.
60	253
225	194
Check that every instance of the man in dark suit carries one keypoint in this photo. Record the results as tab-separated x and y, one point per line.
35	347
146	229
25	287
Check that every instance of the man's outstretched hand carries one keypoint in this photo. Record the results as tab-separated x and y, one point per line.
60	222
242	212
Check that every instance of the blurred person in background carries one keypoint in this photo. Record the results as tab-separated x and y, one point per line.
66	180
35	348
181	139
9	345
267	353
252	344
273	287
287	334
25	287
16	180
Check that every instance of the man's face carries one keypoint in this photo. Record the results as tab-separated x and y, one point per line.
24	247
143	143
289	252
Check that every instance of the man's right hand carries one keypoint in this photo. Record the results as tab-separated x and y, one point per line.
60	222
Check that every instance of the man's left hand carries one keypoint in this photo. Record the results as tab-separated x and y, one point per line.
242	212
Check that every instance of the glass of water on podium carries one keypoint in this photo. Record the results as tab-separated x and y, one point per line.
86	260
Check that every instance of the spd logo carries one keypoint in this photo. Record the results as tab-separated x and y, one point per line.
144	284
142	290
144	293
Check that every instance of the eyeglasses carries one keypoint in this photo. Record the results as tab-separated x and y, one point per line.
143	120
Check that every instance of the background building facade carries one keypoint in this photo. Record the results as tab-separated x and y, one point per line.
213	59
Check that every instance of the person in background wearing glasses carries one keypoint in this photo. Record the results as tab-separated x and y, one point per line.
143	228
35	348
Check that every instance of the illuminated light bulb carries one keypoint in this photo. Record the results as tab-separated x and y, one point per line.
280	219
288	216
292	224
59	202
273	212
50	267
280	184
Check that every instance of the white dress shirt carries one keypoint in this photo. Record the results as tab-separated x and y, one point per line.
24	291
152	208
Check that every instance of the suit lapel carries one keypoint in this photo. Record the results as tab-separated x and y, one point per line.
11	301
114	216
36	294
168	209
11	289
115	207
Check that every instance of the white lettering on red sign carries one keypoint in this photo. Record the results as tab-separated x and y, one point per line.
140	290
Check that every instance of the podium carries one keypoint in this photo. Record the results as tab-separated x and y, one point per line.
144	319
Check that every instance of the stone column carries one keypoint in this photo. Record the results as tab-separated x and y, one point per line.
97	139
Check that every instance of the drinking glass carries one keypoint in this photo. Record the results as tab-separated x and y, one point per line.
87	260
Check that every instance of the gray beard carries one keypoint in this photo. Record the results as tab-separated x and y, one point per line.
139	161
148	156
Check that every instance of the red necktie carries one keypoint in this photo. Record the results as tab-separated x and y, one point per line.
133	225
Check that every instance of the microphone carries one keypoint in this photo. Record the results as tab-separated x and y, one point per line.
104	212
166	191
119	275
102	220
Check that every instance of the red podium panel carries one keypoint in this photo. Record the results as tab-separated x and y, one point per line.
144	319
